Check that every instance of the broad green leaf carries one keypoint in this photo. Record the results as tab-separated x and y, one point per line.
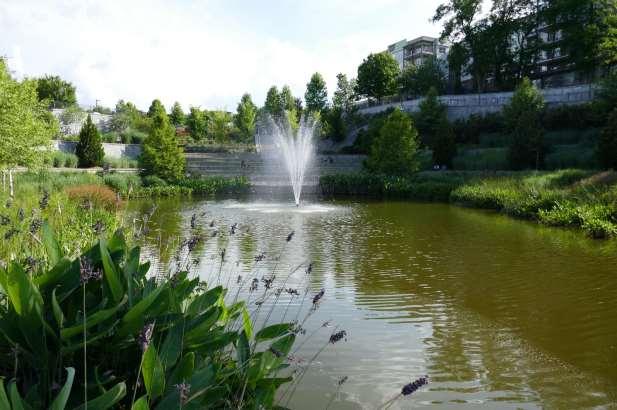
246	323
111	274
16	400
204	301
58	314
201	381
183	370
170	402
106	400
153	373
130	269
91	320
201	331
54	253
212	344
62	398
170	351
243	351
4	400
284	344
273	331
134	319
65	274
141	404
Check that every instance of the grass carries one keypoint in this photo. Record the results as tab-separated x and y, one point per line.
569	198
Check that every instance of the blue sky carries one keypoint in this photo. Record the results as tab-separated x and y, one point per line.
203	53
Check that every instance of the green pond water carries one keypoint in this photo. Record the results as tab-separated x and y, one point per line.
499	313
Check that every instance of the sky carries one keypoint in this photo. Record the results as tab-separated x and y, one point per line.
204	53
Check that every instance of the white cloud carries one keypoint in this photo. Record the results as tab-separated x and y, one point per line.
206	52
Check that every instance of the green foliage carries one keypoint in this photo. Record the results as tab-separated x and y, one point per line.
432	113
393	152
176	116
607	146
345	94
333	124
122	162
25	126
273	104
197	123
468	131
246	115
524	125
415	81
215	185
56	92
127	118
288	102
169	332
221	126
444	144
377	76
161	154
89	150
316	95
64	160
493	159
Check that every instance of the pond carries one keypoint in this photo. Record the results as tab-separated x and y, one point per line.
498	312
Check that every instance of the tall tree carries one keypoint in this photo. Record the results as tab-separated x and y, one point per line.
523	118
89	149
161	155
287	98
246	114
155	107
197	123
316	95
394	150
221	123
176	116
26	128
273	105
377	76
431	113
419	80
345	95
57	92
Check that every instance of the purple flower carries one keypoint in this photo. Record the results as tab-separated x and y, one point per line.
87	272
336	337
318	296
290	236
145	336
184	390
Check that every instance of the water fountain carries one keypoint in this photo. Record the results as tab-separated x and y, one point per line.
282	146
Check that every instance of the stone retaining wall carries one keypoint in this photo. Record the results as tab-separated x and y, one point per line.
112	150
462	106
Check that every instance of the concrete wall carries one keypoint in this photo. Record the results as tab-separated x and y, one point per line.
131	151
462	106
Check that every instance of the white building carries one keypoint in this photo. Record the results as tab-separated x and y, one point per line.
417	51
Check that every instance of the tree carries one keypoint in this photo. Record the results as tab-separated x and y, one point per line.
125	116
197	123
161	155
344	96
55	91
444	144
89	149
246	114
419	80
220	126
287	98
523	123
607	145
273	105
316	95
333	124
394	151
155	107
458	56
26	128
431	113
177	116
377	76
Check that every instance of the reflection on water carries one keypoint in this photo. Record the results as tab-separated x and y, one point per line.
498	312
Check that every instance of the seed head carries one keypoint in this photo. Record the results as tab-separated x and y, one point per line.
309	269
87	272
290	236
260	257
10	233
21	214
184	390
233	228
98	227
342	380
254	285
194	221
336	337
318	296
44	201
4	220
35	225
414	386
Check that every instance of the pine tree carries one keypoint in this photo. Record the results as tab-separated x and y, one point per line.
244	119
431	113
273	105
177	116
89	150
316	96
161	155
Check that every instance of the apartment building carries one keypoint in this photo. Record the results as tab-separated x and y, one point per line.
417	51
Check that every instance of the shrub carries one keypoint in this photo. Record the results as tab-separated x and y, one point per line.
215	185
173	334
428	119
523	122
153	181
571	156
122	162
93	195
479	159
444	145
394	151
468	131
71	161
607	146
122	182
89	149
579	117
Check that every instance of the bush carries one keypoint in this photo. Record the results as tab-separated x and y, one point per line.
469	131
493	159
89	149
444	145
571	156
579	117
122	162
99	196
153	181
110	137
64	160
432	113
122	182
607	146
394	151
168	333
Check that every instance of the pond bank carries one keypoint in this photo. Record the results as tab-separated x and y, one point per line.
570	198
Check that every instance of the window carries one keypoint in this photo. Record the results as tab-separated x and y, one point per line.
442	50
